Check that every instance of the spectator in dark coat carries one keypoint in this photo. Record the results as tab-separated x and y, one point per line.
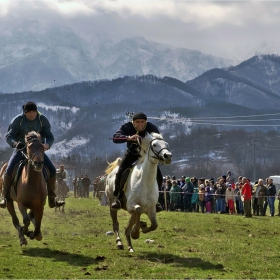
187	195
271	192
86	183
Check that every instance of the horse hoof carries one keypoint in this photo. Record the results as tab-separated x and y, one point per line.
143	224
131	250
120	247
29	233
39	237
23	242
135	235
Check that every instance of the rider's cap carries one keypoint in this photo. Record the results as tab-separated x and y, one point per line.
139	115
29	106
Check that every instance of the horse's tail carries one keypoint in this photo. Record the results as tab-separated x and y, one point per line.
112	165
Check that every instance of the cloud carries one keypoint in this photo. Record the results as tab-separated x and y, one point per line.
216	27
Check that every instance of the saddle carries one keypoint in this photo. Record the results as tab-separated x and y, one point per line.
17	172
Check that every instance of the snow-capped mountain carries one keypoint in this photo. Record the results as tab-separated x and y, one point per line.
35	56
262	48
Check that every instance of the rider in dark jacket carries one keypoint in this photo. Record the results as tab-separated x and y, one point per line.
130	132
29	120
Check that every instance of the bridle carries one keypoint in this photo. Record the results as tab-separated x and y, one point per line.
156	153
30	159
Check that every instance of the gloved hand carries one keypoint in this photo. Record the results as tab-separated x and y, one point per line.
19	146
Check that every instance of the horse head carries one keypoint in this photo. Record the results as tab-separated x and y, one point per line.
35	150
157	148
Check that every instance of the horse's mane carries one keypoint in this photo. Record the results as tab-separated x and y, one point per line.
32	136
156	135
149	136
112	165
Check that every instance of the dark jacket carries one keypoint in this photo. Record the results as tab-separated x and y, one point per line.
86	182
60	175
188	189
20	126
128	129
271	190
220	190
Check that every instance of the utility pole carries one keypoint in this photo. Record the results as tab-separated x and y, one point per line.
254	160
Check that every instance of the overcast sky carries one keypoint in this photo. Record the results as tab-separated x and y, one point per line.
233	28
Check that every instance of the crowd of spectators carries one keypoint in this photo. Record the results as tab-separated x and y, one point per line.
224	195
81	186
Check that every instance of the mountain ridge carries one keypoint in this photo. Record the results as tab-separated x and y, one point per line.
60	56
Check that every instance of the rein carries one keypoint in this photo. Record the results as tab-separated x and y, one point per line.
30	159
154	151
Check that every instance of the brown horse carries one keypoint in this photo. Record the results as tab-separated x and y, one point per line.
31	190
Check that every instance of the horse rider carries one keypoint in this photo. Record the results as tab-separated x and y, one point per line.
130	133
29	120
61	173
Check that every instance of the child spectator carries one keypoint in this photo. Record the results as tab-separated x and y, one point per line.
230	199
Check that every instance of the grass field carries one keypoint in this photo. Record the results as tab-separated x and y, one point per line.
186	245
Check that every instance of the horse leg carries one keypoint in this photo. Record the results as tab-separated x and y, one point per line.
135	232
11	209
152	216
114	216
26	220
31	216
38	219
128	228
62	211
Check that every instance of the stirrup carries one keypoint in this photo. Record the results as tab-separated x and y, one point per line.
3	203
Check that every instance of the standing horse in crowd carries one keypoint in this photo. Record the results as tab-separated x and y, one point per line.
30	191
141	188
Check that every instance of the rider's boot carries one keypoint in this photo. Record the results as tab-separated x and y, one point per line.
51	193
6	190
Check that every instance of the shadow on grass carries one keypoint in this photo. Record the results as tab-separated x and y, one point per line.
56	255
179	261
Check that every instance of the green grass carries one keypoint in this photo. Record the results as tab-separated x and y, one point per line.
186	245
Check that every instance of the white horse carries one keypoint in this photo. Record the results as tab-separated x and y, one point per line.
141	189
